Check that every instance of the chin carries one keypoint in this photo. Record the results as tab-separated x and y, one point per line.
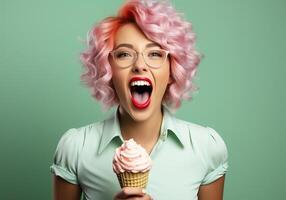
140	116
135	114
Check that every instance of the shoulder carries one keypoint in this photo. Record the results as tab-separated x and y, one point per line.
213	148
208	146
69	150
206	142
208	139
74	138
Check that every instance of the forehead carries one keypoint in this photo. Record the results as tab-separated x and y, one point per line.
131	34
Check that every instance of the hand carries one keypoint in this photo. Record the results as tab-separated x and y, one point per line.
132	193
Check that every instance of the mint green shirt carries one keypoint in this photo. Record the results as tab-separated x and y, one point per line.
185	156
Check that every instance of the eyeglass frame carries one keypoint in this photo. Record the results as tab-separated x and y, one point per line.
141	53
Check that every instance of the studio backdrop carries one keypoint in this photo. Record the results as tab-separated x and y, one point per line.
241	82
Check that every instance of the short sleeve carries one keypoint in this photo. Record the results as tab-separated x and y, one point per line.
66	156
216	156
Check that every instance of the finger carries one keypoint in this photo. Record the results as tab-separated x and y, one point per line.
130	191
145	197
148	197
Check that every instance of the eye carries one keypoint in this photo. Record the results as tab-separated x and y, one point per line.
123	55
155	54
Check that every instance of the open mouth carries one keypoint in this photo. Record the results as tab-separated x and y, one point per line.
141	90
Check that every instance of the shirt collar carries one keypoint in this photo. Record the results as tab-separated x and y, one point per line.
111	130
170	125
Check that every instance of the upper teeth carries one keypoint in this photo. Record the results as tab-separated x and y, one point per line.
139	83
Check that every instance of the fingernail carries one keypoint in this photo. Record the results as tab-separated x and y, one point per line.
143	191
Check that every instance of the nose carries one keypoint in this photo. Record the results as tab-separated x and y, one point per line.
139	64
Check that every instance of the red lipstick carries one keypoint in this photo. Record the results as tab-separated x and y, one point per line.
137	78
136	103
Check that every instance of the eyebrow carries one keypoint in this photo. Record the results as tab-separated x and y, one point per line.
131	46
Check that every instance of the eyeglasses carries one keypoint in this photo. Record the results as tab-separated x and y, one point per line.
125	57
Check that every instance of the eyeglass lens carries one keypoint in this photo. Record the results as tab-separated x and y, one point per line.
125	57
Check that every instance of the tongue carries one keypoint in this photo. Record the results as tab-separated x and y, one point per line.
140	98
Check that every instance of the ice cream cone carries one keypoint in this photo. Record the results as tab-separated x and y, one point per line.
129	179
132	165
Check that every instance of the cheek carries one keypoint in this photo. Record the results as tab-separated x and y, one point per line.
118	81
166	74
163	83
165	79
116	77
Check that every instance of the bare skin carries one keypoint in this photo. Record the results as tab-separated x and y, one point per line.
136	130
64	190
132	193
212	191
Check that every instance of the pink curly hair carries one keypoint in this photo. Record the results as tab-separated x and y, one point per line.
160	23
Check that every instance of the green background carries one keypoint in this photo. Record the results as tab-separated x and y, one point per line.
241	95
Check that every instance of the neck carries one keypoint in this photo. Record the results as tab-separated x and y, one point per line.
145	133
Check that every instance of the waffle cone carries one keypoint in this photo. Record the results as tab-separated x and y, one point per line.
129	179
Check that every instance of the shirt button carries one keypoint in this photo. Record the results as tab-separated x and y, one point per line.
164	135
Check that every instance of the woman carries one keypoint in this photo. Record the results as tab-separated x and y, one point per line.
143	61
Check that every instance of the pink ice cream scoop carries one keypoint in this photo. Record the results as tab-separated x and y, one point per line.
131	157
